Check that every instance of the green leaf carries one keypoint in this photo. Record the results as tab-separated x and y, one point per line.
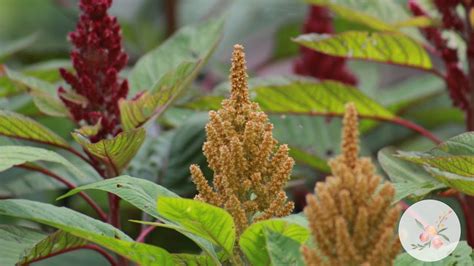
189	44
354	15
203	243
385	47
185	149
58	217
253	242
43	93
11	156
53	243
402	96
283	250
201	219
18	183
192	260
409	180
7	49
461	256
134	113
142	254
324	98
451	162
164	72
19	126
14	240
301	96
142	194
139	192
314	161
379	15
87	228
47	70
116	152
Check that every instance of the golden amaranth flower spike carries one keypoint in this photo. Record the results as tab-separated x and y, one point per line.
351	217
250	169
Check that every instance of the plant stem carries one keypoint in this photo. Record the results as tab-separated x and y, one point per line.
98	249
466	205
144	233
89	200
114	212
467	202
170	14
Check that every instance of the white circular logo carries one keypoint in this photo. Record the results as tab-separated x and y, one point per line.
429	230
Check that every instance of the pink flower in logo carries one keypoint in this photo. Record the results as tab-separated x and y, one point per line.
432	236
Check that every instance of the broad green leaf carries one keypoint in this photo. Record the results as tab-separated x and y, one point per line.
139	192
19	126
324	98
205	244
53	243
253	242
311	139
11	156
306	97
201	219
164	72
87	228
354	15
385	47
451	162
142	254
116	152
192	260
134	113
47	70
418	21
142	194
43	93
18	183
380	15
59	217
14	240
402	96
283	250
7	49
185	149
409	180
189	44
314	161
461	256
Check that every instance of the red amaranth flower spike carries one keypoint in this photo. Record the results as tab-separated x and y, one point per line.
318	65
97	59
456	80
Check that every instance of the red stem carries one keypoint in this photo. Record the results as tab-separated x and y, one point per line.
396	120
144	233
98	249
424	132
464	200
467	202
89	200
114	213
170	14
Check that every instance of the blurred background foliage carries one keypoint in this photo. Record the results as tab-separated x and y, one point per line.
33	42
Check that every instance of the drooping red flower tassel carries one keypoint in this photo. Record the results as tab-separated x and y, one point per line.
456	80
97	59
318	65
